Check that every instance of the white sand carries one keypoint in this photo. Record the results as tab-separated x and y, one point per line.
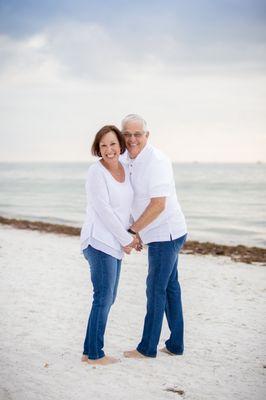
45	299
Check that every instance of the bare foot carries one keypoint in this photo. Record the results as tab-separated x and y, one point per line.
84	358
134	354
106	360
166	351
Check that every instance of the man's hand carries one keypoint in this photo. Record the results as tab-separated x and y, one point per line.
139	246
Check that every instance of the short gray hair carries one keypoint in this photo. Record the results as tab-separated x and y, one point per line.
134	117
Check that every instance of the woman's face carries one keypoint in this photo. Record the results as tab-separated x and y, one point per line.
110	147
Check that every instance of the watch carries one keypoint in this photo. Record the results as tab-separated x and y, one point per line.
131	231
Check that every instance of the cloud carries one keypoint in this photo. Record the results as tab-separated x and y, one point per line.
27	61
76	51
99	42
94	52
195	70
87	51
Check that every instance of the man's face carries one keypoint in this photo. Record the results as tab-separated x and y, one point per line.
135	137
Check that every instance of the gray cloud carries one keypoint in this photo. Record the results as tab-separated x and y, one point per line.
128	40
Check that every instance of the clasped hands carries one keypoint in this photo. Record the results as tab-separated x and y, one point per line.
135	244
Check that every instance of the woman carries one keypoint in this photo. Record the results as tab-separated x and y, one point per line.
104	234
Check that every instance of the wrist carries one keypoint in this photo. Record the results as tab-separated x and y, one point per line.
131	231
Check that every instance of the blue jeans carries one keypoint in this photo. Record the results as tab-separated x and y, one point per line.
163	295
105	272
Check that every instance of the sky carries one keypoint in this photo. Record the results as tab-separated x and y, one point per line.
195	70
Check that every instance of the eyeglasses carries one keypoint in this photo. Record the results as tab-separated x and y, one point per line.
136	135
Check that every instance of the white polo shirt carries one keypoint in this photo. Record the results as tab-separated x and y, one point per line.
151	175
108	211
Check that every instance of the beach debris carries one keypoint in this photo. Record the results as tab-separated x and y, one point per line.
239	253
40	226
46	365
175	389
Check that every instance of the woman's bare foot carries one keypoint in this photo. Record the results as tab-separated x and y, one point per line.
134	354
84	358
166	351
106	360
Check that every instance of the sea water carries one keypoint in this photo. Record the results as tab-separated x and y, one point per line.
223	203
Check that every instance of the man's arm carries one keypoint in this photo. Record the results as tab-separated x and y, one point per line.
151	212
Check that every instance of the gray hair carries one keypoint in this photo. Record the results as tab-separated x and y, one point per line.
136	118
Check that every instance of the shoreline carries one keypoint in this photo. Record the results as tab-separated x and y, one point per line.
237	253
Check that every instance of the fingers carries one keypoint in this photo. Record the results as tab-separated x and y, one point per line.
135	244
127	249
139	247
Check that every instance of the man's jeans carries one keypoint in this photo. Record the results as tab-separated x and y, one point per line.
163	295
105	272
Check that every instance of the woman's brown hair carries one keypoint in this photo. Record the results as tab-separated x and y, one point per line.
95	148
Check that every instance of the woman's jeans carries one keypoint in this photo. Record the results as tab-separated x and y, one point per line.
163	295
105	272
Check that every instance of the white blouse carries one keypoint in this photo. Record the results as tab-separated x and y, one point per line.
108	211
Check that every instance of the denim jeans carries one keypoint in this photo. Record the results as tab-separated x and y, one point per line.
163	295
105	272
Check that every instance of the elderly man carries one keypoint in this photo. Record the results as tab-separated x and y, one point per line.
161	225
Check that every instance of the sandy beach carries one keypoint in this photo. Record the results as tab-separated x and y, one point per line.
45	295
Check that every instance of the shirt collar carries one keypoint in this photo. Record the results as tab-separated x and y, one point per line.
140	157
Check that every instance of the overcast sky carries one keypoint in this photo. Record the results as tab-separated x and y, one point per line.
194	70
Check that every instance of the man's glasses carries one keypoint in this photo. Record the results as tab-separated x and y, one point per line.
136	135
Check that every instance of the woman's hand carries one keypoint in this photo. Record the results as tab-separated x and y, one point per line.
135	244
127	249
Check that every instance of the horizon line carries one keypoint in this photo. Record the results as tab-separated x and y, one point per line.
93	160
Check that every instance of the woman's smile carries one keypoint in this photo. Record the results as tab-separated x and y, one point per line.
109	147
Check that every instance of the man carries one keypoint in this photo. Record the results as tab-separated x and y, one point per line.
161	225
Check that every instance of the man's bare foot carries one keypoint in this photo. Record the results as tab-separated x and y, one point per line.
84	358
134	354
106	360
166	351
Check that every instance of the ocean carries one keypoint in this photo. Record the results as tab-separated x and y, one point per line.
223	203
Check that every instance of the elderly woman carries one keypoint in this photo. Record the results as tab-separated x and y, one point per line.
104	235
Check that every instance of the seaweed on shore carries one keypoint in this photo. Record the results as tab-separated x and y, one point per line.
40	226
239	253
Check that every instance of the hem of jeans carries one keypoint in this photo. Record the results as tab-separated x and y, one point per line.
95	358
174	352
146	354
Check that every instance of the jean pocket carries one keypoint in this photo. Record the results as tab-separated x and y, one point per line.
85	253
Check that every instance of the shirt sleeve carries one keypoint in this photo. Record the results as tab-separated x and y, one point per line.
98	198
161	176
